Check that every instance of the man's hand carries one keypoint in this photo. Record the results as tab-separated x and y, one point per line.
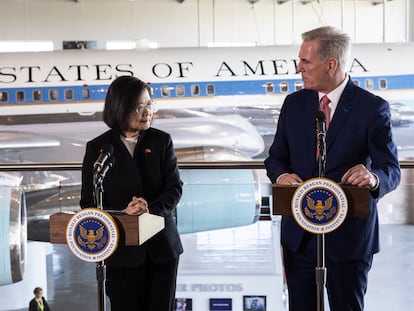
289	179
359	175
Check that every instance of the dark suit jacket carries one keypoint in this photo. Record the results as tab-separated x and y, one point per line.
359	133
152	174
33	306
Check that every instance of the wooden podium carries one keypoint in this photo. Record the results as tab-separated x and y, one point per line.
358	200
134	230
358	206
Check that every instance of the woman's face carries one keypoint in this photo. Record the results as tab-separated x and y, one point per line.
39	294
140	118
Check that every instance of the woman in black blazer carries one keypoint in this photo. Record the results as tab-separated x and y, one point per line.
143	179
38	303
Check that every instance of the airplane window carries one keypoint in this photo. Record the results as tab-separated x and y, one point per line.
165	91
85	93
298	85
53	94
210	89
37	95
151	91
369	84
383	84
69	94
3	97
195	90
356	82
284	87
270	88
20	96
179	90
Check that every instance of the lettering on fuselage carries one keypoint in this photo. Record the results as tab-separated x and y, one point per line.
273	67
36	74
177	70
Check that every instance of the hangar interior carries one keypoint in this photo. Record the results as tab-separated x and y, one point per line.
232	265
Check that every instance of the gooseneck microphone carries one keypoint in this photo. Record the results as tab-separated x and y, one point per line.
101	166
104	154
107	165
320	122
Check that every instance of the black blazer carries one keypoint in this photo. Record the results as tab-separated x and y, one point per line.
33	306
359	133
152	174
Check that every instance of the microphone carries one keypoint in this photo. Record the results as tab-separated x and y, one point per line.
108	164
320	119
104	154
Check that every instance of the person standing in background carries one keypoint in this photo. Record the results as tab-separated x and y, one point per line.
38	303
144	179
360	152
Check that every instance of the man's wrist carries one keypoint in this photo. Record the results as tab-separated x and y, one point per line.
376	183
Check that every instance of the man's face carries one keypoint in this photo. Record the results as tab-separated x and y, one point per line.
314	71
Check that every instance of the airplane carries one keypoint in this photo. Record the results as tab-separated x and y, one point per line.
219	104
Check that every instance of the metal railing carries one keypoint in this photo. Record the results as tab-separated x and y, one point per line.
73	166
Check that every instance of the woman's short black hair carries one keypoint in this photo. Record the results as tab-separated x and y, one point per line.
121	100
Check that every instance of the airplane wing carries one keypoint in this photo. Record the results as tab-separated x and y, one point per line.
12	140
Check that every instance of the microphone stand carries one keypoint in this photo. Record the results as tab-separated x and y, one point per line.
320	270
100	266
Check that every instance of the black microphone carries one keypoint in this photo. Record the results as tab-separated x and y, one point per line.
320	119
108	164
104	154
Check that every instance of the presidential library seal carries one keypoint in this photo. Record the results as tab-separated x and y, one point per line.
319	205
92	235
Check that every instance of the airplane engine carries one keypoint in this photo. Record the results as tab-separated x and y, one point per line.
217	199
13	234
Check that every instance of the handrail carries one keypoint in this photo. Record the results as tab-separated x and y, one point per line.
74	166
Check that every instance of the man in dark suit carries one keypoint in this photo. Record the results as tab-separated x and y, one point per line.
360	152
144	179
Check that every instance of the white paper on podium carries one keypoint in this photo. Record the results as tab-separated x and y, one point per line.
149	225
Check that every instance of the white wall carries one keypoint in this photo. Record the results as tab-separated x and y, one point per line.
198	22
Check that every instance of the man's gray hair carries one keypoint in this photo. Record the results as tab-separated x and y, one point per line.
332	43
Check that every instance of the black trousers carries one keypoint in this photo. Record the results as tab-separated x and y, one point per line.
346	282
150	287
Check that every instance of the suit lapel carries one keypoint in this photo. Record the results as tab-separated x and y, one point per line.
341	114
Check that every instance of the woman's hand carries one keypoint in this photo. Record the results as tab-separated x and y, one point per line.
137	206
